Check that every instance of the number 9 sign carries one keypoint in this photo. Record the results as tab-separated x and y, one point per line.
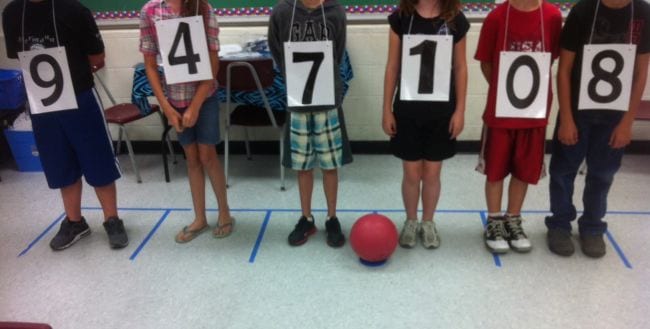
48	80
606	77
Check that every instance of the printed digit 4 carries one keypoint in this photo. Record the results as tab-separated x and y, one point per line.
190	57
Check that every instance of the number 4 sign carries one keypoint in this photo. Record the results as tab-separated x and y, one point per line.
606	78
184	49
47	80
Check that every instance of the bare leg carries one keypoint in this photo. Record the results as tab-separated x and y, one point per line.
211	164
71	196
107	196
331	186
493	195
516	195
430	188
197	185
411	187
305	187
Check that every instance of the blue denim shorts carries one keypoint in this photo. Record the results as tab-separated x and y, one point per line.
206	130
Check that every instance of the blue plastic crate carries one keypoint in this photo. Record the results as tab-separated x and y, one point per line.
23	147
12	90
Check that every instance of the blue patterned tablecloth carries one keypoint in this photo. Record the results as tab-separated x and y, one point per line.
276	93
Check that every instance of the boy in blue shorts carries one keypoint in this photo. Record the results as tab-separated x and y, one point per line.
315	135
76	141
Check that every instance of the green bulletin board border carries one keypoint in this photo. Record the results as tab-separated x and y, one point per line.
468	8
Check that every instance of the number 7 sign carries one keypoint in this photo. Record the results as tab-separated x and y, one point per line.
309	68
184	49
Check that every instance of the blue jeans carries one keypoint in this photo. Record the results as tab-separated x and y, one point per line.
594	131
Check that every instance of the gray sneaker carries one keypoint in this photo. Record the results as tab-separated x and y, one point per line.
429	234
409	233
592	245
517	238
559	242
496	236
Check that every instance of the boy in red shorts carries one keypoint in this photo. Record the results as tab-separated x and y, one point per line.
512	145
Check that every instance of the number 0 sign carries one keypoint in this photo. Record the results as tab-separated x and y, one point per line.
606	78
47	80
522	90
309	68
426	67
184	49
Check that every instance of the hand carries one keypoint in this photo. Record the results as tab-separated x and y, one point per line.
567	133
388	124
173	118
190	116
456	124
621	136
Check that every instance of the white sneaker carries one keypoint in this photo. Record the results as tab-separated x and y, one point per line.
516	237
429	234
409	233
496	235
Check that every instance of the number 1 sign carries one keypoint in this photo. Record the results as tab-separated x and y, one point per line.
47	80
309	68
184	49
606	78
426	67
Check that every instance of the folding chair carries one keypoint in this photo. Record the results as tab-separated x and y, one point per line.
23	325
123	114
250	75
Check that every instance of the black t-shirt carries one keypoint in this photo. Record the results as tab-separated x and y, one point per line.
457	28
612	26
76	28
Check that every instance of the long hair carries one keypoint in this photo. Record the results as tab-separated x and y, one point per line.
189	7
448	8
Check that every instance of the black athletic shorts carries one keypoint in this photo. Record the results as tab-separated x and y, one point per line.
422	139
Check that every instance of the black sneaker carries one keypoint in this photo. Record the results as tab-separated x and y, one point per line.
335	237
559	242
69	233
302	231
116	234
592	245
496	236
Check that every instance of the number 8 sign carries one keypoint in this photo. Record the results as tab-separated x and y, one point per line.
606	77
47	80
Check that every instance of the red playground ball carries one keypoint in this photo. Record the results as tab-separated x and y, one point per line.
374	238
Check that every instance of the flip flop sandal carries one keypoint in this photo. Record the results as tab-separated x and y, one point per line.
187	235
220	228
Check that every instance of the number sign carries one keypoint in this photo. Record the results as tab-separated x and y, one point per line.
184	49
522	88
309	68
606	78
48	80
426	67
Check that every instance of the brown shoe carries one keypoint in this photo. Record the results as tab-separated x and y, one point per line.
559	242
592	245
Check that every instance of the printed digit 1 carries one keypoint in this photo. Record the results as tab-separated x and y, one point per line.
427	51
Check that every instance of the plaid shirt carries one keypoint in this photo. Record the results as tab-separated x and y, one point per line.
179	95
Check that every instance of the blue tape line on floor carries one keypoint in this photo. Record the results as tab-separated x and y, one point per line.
260	236
151	233
618	249
38	238
497	260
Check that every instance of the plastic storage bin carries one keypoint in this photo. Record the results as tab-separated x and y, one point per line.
12	90
23	147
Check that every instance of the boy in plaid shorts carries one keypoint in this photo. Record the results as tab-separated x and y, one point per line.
315	135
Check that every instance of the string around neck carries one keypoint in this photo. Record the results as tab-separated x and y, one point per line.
293	15
593	22
162	17
541	19
22	30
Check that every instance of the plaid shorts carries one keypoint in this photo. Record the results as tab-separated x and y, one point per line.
316	135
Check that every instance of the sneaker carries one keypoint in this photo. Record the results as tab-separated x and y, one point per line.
496	235
302	231
592	245
117	237
335	237
408	236
429	234
516	237
559	242
69	233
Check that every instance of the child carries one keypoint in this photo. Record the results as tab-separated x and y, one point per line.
423	133
512	145
597	135
316	135
193	110
72	142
